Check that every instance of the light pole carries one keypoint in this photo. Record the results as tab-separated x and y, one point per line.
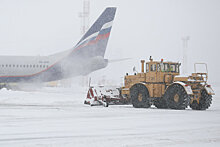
84	27
185	46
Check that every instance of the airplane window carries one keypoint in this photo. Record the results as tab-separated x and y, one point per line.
23	65
43	66
2	65
6	65
27	65
30	65
33	65
17	65
13	65
40	66
9	65
36	65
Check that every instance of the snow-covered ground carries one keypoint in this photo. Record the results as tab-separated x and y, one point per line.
55	117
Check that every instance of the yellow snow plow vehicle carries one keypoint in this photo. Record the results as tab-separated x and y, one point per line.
159	83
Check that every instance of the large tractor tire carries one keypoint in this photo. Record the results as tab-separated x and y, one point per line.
160	103
204	102
140	96
176	97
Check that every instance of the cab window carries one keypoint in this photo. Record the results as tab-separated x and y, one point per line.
158	67
172	67
153	67
162	67
177	68
147	67
166	67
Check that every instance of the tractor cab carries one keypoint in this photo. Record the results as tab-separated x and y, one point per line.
160	66
159	71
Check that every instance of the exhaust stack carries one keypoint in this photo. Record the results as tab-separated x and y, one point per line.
142	65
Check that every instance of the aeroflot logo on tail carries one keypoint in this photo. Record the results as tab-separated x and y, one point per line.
95	37
99	37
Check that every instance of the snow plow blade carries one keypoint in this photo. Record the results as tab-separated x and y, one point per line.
100	95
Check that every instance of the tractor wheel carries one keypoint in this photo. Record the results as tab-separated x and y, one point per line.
160	103
204	102
176	97
140	96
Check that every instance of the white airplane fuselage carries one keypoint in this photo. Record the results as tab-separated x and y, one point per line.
87	56
46	68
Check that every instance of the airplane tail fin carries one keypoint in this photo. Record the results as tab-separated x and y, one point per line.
95	40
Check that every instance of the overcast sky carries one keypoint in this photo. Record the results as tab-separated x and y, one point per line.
141	28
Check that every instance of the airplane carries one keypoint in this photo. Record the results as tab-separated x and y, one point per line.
85	57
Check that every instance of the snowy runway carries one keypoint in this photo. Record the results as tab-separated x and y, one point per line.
57	117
